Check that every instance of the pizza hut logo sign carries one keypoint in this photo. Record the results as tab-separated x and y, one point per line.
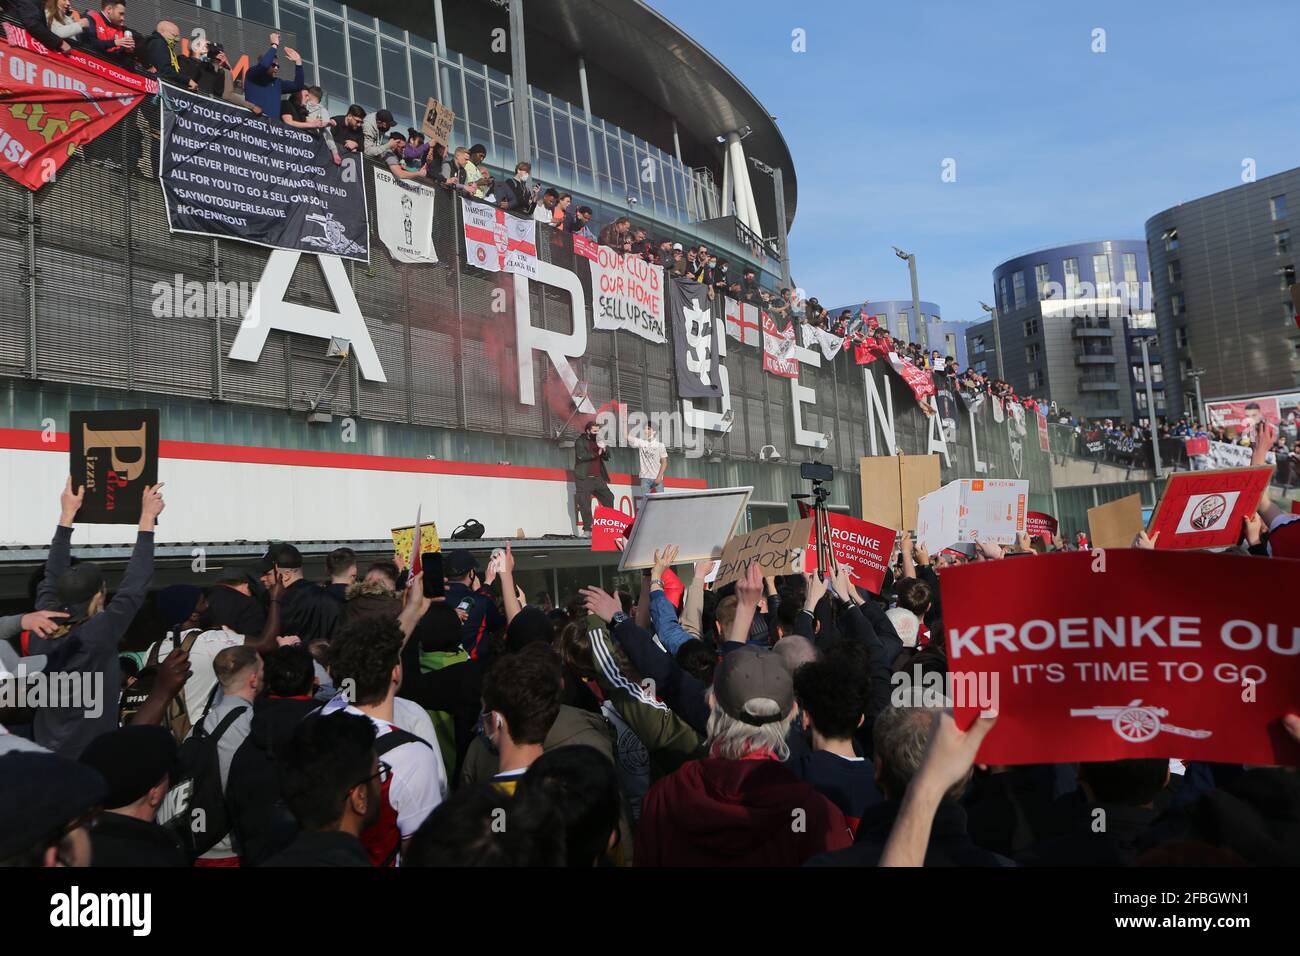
1207	512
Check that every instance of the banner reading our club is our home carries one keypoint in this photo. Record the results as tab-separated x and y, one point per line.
51	103
628	294
232	175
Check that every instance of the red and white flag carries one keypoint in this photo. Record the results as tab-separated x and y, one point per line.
919	381
778	349
499	242
742	322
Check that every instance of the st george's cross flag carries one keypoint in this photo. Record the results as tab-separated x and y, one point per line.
499	242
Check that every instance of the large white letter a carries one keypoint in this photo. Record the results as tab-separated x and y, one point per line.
267	310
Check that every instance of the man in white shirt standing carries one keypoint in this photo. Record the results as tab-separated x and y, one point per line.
654	460
365	663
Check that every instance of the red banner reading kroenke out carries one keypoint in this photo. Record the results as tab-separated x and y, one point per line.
607	526
862	548
1126	653
1039	524
51	103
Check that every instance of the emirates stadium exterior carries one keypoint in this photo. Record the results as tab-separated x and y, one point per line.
475	410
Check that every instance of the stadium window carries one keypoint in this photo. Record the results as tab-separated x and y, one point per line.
365	58
1277	207
1170	237
1035	378
263	11
1031	328
1177	304
332	51
977	345
1175	271
1282	242
1180	336
1288	277
1018	286
397	80
1033	352
1002	294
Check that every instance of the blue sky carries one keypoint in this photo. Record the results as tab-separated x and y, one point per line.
1052	142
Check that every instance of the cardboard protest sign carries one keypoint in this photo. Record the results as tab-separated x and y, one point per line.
1116	523
860	547
987	509
893	484
777	549
1205	509
113	455
437	123
1041	525
1091	662
607	526
404	539
699	522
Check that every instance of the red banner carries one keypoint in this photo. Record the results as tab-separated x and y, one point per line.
1038	524
1205	509
778	349
864	353
607	526
587	248
51	103
1044	442
1197	446
1126	653
921	383
1295	507
862	548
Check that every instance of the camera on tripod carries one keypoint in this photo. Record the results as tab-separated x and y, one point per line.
819	475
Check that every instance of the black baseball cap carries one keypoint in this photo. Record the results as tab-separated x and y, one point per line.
457	564
383	116
79	584
284	555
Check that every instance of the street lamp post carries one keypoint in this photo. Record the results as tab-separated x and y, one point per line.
1195	375
997	338
1145	342
910	259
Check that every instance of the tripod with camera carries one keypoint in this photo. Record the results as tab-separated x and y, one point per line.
819	475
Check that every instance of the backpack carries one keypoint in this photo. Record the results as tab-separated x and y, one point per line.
373	837
195	805
177	717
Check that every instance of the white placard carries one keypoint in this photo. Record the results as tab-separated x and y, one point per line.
405	218
700	523
993	510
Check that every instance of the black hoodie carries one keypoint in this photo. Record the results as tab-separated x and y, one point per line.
261	824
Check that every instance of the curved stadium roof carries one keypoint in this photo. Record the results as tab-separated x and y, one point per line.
638	45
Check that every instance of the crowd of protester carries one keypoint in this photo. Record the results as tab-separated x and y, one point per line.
364	720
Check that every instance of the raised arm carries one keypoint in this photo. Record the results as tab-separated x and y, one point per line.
139	570
60	558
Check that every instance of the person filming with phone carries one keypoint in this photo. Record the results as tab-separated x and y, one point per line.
466	593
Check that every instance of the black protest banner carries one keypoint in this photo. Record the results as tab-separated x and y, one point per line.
232	175
695	340
113	454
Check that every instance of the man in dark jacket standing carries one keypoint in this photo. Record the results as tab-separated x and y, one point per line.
590	474
308	612
465	593
516	194
136	763
161	53
263	86
86	646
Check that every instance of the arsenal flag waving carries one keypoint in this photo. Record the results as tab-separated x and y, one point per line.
51	103
499	242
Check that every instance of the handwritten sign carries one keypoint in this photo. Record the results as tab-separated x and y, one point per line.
776	549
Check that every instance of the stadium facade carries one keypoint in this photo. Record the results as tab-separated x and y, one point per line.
475	412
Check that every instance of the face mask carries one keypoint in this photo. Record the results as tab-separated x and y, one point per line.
523	177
